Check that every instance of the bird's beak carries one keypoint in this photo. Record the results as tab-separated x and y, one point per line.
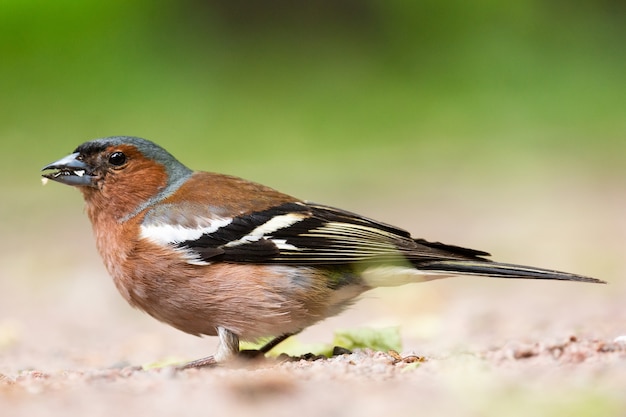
71	171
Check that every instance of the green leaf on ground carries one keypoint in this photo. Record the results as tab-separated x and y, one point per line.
382	339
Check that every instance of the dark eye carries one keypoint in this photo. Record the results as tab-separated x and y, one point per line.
117	158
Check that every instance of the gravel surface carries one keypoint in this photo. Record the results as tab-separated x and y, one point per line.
583	376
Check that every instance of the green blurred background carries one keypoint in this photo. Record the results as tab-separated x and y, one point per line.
285	89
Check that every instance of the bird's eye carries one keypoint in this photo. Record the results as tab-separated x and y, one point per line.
117	158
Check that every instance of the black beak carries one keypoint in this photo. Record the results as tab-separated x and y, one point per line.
71	171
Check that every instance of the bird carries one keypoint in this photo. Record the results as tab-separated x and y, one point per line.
218	255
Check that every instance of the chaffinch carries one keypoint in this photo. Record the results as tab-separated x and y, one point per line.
213	254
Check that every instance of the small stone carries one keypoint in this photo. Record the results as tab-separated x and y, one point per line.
524	353
338	351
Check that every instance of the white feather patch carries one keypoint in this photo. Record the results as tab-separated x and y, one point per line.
392	276
282	244
269	227
164	234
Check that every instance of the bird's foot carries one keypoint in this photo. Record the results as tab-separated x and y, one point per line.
244	356
207	362
311	357
250	354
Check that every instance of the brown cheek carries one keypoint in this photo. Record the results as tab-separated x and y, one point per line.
138	182
122	191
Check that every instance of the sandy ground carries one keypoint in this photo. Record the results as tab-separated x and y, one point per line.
69	346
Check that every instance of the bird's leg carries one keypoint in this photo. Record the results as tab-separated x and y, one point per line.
274	342
227	348
260	353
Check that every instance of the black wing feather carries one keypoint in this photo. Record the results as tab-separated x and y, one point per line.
323	235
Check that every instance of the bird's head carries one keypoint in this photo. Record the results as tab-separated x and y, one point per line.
121	170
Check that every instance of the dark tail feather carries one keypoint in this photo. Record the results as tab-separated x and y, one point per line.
500	270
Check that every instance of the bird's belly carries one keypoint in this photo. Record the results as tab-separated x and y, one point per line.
251	301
